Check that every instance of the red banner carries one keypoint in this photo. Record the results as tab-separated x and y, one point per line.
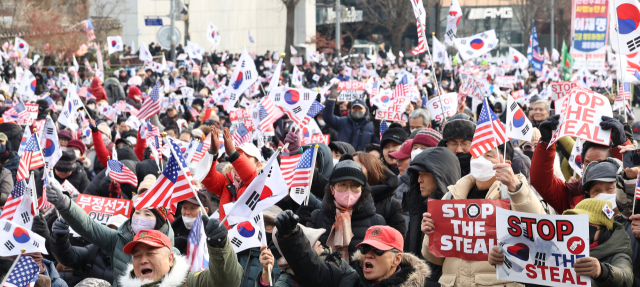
465	228
101	208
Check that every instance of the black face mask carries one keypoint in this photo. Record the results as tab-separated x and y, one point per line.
592	233
604	235
529	154
464	159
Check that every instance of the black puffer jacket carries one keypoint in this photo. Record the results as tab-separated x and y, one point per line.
100	184
148	166
78	178
386	205
180	235
87	262
364	216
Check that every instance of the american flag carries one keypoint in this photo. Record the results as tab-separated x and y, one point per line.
383	127
242	135
15	198
17	112
169	182
24	274
43	203
121	106
375	89
422	44
30	159
197	253
151	105
636	197
268	113
313	111
202	149
149	131
131	109
402	88
121	173
489	134
297	169
536	55
88	28
194	112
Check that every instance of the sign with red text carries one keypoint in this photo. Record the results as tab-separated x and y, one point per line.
465	228
541	249
396	112
582	116
101	209
505	81
561	105
350	90
443	106
317	138
517	95
561	89
32	112
238	114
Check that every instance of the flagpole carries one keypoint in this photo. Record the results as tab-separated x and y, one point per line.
313	164
15	262
633	209
173	153
621	80
33	196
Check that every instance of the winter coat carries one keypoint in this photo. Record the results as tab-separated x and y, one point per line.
114	90
100	184
401	192
615	259
445	168
387	206
14	134
51	271
459	272
361	219
6	185
324	160
223	270
250	261
88	261
521	163
222	185
297	250
148	166
180	234
109	240
97	90
357	133
635	248
78	179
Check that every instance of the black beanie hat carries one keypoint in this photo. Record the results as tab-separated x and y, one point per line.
397	135
458	129
67	162
347	169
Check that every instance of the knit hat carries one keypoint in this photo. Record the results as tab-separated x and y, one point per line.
77	144
599	211
269	214
146	183
197	133
104	128
536	135
347	169
67	162
603	171
463	129
397	135
428	137
3	137
161	216
64	134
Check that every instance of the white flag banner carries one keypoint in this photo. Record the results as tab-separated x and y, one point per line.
439	51
518	125
25	211
115	44
476	45
14	237
275	79
293	50
21	46
194	50
27	84
213	35
133	122
517	59
244	75
294	102
296	77
50	145
248	234
145	55
627	30
453	19
70	109
575	159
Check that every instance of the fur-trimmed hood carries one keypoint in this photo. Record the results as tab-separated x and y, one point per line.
177	276
413	271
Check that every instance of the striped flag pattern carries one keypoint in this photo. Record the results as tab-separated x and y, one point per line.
402	88
121	173
489	134
297	169
242	135
14	200
15	113
422	44
383	127
151	105
31	158
268	113
313	111
636	197
88	28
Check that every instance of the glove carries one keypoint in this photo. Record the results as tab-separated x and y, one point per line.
294	141
114	189
59	229
40	226
628	132
304	213
617	130
56	197
333	94
546	128
287	222
216	233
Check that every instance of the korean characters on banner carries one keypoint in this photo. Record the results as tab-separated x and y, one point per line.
505	81
590	20
396	112
466	228
101	209
317	138
443	106
350	90
241	116
541	249
561	89
582	116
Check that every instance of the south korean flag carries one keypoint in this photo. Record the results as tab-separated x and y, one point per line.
248	234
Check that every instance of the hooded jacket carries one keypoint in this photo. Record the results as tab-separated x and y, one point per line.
107	239
86	261
459	272
445	168
113	90
386	205
297	251
357	133
97	90
615	255
324	160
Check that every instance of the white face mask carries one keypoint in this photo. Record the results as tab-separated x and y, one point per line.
608	197
188	221
59	107
416	152
77	153
141	223
482	169
335	161
321	123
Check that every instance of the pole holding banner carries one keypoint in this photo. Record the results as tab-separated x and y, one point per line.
621	80
313	164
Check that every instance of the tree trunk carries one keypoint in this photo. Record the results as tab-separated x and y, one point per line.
396	40
291	10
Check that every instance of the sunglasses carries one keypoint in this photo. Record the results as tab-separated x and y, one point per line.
364	249
528	147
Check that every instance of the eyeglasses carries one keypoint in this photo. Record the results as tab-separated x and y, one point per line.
529	147
364	249
341	186
455	145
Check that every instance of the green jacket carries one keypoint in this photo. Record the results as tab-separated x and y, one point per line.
107	239
615	259
223	270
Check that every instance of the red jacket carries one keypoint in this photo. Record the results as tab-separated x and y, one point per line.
217	182
97	90
102	153
141	144
559	194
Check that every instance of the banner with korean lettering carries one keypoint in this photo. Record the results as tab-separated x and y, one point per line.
465	228
590	21
101	209
540	248
317	138
350	90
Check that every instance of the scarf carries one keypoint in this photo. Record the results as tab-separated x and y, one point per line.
341	233
235	179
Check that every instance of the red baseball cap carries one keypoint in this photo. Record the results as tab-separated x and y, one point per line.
152	238
382	237
404	152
